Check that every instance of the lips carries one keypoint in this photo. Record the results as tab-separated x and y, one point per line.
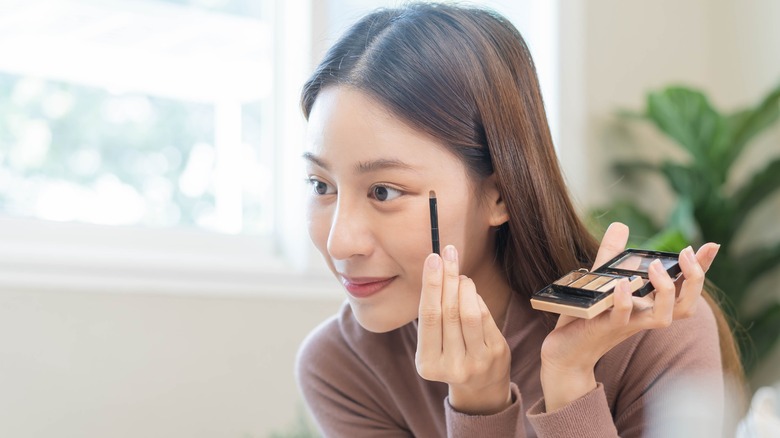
363	287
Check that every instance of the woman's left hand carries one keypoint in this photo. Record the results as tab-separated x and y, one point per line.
571	350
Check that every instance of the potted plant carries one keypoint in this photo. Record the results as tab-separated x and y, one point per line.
707	208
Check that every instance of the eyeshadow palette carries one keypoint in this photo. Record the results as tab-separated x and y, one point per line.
585	294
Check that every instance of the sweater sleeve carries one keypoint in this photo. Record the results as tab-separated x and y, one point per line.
588	416
639	382
507	423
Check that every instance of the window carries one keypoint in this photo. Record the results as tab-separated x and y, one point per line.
152	145
137	113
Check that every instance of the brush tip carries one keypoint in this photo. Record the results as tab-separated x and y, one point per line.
432	194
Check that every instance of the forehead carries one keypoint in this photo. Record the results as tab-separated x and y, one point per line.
347	125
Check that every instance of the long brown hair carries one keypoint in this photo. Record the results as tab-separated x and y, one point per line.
466	77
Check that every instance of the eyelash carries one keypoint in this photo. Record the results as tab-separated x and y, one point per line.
374	187
314	181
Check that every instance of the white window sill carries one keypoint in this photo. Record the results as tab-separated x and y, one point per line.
49	256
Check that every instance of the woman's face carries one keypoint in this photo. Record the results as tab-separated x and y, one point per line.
368	209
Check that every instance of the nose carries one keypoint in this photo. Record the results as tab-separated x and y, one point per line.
350	232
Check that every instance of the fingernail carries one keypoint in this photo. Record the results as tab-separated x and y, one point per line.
689	254
482	304
656	264
717	248
622	287
450	254
434	262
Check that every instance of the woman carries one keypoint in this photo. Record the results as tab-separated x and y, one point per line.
442	98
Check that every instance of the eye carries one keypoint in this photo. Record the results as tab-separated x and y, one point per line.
320	188
384	193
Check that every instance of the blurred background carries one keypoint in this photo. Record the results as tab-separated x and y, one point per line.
156	278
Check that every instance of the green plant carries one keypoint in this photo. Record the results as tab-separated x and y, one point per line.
707	207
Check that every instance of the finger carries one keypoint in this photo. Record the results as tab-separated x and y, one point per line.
471	317
621	309
429	336
490	330
613	243
692	285
564	320
452	334
643	303
663	306
706	255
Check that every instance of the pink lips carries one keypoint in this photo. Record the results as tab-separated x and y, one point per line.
363	287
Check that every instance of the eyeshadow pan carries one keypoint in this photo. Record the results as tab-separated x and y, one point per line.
667	262
568	278
630	262
608	285
598	282
584	280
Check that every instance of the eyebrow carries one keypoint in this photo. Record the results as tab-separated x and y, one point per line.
366	166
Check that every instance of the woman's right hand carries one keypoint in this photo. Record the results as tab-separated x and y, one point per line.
570	352
458	342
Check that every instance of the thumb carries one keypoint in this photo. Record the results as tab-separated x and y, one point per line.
613	243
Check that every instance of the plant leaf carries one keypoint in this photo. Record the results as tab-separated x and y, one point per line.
710	210
759	261
628	171
763	331
686	116
682	179
639	223
746	124
628	167
761	186
682	219
727	274
670	239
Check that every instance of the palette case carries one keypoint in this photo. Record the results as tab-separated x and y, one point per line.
585	294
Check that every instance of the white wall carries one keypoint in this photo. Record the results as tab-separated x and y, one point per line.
135	365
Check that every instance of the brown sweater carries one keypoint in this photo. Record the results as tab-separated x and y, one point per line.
362	384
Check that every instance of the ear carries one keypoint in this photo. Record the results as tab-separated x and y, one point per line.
496	209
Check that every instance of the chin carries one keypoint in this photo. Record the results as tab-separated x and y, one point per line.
380	322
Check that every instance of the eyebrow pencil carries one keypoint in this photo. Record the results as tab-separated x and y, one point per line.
434	221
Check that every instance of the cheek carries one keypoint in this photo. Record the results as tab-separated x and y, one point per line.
318	223
453	226
412	234
462	227
409	244
406	239
416	247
